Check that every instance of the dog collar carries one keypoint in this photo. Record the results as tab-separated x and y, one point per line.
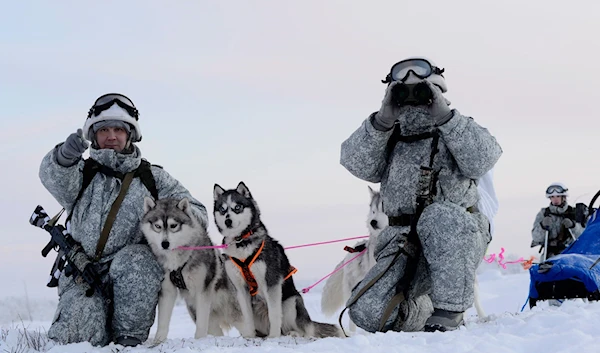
243	236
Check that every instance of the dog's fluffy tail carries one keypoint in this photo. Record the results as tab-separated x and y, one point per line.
332	297
321	330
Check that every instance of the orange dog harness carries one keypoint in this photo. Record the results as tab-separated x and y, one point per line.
244	267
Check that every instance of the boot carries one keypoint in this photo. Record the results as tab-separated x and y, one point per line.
128	341
444	320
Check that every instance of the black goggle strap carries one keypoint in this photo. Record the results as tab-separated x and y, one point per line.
111	97
555	189
434	70
97	109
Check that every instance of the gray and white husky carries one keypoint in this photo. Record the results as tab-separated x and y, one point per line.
198	275
260	270
338	286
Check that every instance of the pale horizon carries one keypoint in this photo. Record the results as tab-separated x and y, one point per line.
265	92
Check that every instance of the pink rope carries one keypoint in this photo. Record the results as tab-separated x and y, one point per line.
501	259
323	242
491	259
224	246
201	247
305	290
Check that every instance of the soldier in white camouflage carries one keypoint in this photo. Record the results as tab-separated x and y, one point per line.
129	266
416	134
559	220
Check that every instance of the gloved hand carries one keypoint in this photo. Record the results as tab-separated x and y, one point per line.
388	113
439	110
70	151
546	222
567	223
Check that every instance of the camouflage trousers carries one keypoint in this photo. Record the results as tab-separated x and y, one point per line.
453	243
136	277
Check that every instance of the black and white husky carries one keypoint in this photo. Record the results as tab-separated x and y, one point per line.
338	286
261	272
198	275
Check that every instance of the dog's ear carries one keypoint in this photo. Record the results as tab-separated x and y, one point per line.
371	191
243	189
217	191
184	204
148	204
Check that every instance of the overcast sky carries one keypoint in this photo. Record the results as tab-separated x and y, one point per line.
266	91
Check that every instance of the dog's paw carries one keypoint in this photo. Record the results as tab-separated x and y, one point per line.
294	334
248	334
155	343
160	337
198	335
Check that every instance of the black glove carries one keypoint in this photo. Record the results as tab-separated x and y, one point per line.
70	151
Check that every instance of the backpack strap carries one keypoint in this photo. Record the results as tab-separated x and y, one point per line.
144	172
90	168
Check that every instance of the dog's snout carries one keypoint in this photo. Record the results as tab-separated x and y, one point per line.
228	223
374	223
165	244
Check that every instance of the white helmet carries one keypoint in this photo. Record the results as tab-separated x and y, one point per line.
557	189
113	106
421	67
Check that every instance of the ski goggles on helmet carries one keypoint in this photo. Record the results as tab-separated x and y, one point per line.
555	189
419	67
106	101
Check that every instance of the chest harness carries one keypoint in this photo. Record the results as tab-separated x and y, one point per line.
244	266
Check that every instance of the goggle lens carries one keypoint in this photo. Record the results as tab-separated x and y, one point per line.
555	189
421	68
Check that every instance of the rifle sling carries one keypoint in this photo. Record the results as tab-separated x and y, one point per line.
112	215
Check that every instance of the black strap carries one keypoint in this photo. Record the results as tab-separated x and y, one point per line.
358	248
403	220
91	167
366	287
176	278
569	213
398	137
144	172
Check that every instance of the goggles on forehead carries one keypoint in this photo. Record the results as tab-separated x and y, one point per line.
419	67
555	189
106	101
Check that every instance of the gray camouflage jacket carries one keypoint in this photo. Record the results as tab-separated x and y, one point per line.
466	152
538	234
91	210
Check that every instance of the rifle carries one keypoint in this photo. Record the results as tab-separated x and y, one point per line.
76	262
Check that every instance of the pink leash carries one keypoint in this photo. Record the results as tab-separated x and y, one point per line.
501	259
201	247
305	290
287	248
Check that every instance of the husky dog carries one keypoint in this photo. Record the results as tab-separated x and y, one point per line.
261	271
198	274
338	287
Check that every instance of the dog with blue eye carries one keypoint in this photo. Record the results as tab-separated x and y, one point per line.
260	271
